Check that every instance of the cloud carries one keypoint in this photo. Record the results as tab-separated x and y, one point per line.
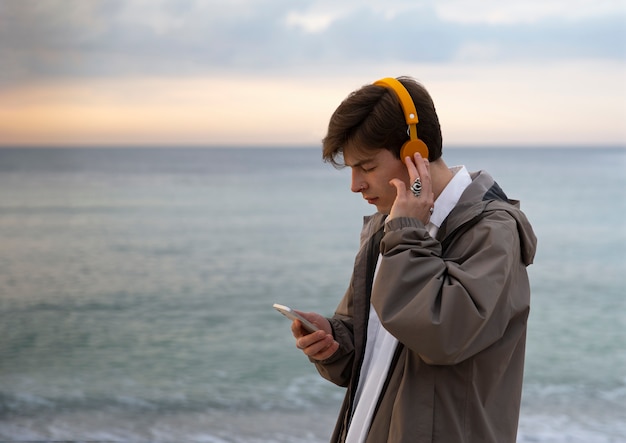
497	12
310	22
74	38
182	71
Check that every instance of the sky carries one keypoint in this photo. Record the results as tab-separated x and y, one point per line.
271	72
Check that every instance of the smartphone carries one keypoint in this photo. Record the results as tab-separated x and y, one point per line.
292	315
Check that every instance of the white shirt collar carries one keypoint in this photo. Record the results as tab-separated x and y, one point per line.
450	195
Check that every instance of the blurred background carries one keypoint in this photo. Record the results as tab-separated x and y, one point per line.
161	186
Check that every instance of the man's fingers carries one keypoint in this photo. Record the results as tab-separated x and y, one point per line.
327	352
422	167
399	185
317	345
297	329
411	167
327	348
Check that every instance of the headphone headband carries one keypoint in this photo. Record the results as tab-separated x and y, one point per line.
410	115
408	107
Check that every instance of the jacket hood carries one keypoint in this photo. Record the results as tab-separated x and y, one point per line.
484	195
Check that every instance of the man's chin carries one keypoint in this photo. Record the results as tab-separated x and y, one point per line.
383	210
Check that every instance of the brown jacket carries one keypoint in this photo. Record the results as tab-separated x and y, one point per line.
458	306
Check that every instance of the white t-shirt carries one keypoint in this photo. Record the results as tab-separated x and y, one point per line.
380	345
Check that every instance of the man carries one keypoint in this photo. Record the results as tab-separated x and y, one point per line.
429	338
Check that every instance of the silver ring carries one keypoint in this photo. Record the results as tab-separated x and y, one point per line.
416	187
431	210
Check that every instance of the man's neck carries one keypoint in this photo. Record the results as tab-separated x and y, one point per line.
440	175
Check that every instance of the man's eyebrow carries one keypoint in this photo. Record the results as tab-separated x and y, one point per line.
360	162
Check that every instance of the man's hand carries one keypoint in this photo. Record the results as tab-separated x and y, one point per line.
407	204
318	345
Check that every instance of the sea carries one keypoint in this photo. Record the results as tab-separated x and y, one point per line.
136	290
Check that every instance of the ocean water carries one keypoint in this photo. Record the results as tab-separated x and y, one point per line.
136	288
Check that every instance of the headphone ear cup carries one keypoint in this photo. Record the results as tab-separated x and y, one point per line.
411	147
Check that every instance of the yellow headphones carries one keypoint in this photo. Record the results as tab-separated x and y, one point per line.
414	144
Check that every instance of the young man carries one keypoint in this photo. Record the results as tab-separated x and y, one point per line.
429	338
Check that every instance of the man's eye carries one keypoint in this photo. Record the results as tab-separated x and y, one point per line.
368	169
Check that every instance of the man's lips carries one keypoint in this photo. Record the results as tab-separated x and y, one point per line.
370	200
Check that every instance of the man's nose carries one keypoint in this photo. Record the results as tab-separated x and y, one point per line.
357	183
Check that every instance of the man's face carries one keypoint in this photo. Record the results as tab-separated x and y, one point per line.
371	173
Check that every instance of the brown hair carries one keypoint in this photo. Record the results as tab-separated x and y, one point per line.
371	118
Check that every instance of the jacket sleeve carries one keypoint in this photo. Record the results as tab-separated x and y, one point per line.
449	309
